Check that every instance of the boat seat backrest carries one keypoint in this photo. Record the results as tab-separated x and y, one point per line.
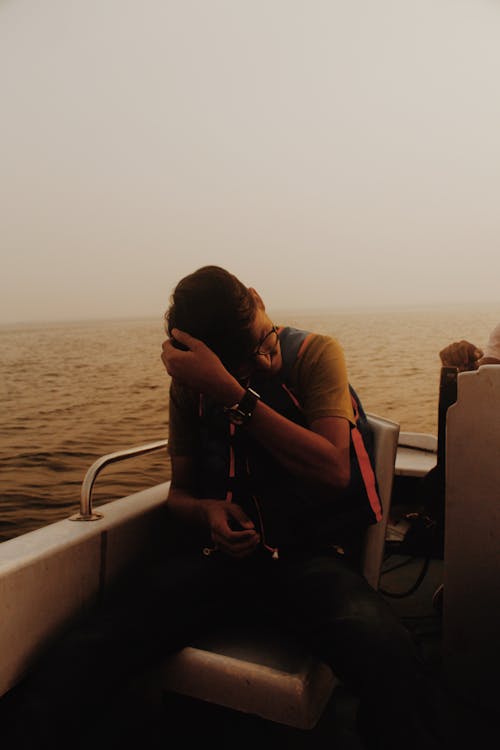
386	434
471	599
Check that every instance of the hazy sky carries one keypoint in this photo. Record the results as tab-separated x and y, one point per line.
330	153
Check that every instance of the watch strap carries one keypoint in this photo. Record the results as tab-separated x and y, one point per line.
241	412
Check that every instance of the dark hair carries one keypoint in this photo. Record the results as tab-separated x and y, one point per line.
214	306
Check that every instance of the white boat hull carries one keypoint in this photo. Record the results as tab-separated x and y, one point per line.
49	576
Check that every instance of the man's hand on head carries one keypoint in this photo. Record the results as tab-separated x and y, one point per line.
199	368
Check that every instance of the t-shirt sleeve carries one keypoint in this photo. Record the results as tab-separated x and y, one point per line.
183	420
322	382
493	346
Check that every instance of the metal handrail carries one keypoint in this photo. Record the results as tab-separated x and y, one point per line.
86	513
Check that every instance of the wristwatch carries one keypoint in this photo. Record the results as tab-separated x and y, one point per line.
240	413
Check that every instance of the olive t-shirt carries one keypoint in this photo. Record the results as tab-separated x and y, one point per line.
318	378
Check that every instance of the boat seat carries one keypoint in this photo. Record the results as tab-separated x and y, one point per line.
471	603
260	673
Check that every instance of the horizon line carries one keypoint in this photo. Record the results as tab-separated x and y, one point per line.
317	310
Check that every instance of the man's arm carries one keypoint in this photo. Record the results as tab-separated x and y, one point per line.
488	361
319	454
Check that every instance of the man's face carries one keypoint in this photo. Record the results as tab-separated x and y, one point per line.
266	358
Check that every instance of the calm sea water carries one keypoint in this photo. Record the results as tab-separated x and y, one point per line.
72	392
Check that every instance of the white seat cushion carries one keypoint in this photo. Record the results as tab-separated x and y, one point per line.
272	678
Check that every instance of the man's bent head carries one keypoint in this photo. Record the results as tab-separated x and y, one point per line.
214	306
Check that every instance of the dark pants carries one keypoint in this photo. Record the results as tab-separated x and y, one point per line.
318	599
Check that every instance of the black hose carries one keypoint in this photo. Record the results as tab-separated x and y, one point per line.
414	587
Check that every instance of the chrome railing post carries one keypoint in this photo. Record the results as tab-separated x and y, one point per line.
86	513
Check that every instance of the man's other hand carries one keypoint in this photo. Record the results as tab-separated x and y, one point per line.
232	531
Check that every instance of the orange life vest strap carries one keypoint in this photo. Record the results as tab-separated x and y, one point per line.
365	466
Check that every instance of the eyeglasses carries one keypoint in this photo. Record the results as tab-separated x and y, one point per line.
268	344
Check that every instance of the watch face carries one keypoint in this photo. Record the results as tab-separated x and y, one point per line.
241	413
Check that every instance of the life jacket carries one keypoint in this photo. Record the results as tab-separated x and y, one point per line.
286	510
